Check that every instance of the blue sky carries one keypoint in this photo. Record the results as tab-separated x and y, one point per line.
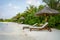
9	8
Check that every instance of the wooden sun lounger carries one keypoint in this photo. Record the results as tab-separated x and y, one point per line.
27	27
44	27
38	29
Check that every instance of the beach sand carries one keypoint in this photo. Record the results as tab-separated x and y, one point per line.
14	31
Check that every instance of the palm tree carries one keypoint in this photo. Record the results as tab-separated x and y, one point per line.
52	3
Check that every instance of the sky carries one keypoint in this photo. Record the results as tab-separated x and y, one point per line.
9	8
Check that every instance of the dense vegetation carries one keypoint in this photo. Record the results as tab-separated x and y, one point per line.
55	4
5	20
30	17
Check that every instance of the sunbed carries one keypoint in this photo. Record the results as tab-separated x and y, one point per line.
43	27
27	27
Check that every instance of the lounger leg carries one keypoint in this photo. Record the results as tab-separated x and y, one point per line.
49	29
30	29
23	28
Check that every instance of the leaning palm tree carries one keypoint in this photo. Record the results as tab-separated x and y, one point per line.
52	3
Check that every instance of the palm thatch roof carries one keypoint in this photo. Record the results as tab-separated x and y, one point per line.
47	10
22	18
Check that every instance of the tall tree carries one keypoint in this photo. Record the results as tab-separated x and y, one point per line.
52	3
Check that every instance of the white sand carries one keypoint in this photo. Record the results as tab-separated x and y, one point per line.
13	31
45	35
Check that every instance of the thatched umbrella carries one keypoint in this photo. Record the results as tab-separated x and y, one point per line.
22	19
47	11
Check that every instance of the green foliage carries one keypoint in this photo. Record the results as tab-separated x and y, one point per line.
54	21
1	20
54	4
29	15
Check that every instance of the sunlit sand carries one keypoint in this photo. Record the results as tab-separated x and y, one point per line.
14	31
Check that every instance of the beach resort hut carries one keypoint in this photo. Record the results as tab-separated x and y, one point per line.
46	11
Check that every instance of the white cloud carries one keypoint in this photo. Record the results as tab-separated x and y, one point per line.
16	7
35	2
12	6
